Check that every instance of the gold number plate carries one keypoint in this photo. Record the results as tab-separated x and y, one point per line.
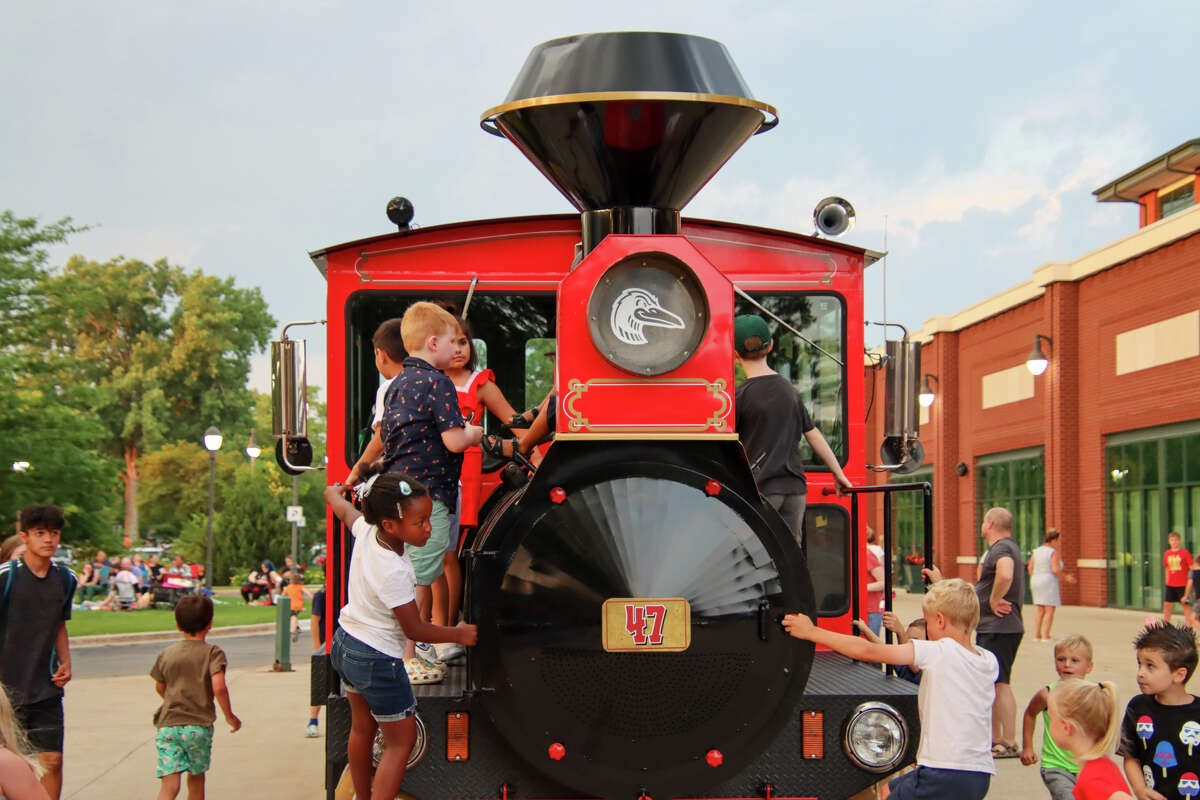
646	624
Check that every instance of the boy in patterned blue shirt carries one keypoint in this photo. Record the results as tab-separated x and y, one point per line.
424	435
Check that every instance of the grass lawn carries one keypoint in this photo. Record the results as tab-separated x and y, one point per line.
228	612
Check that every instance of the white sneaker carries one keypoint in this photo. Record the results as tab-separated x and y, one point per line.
450	651
428	656
311	732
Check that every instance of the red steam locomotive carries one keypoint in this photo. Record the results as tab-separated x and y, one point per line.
628	590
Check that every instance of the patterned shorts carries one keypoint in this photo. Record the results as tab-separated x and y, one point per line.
184	748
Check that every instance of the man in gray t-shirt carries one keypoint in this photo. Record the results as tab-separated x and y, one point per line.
1001	588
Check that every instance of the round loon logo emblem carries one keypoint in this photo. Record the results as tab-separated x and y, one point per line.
635	310
648	314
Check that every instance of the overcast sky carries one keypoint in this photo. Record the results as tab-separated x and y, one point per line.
236	137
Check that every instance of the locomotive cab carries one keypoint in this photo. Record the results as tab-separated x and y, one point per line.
628	594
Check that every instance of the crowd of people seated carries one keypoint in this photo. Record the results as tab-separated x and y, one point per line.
265	582
131	582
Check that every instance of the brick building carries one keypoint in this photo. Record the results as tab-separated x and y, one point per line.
1105	443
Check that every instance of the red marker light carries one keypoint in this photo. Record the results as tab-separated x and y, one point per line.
712	488
558	494
714	758
557	751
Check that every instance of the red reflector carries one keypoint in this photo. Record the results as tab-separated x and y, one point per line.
714	758
712	488
812	734
557	751
458	729
558	494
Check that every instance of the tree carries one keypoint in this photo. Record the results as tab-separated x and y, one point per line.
166	352
40	419
250	504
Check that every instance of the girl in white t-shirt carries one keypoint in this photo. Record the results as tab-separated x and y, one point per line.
380	615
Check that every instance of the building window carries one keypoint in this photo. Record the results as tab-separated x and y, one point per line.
908	531
1153	488
1177	199
1017	481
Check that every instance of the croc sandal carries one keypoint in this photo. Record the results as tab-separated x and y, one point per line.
418	673
1003	750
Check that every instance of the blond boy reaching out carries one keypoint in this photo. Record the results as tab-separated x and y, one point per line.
954	758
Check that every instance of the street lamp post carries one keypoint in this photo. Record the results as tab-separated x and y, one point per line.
212	443
253	451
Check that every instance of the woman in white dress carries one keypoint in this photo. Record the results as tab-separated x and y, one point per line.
1045	572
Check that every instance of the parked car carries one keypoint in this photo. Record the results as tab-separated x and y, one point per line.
64	555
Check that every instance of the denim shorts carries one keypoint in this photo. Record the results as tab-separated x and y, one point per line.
929	783
380	679
427	559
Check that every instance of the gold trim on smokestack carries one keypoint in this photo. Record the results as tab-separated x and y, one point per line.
601	97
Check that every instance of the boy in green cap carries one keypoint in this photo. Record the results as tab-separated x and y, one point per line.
771	420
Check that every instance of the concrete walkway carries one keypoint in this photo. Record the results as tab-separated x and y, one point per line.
110	739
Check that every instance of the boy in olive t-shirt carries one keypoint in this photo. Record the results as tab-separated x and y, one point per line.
189	676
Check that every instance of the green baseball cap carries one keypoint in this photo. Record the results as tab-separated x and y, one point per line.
750	326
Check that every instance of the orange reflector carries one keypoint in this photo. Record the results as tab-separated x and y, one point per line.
812	734
458	728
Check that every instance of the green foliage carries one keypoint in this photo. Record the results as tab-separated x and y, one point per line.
42	420
166	352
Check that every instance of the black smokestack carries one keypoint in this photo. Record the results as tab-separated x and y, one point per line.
629	126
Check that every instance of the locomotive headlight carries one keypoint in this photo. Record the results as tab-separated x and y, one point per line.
875	737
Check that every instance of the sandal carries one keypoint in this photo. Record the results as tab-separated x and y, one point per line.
418	673
1002	750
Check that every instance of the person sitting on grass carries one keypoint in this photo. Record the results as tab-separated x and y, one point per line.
954	758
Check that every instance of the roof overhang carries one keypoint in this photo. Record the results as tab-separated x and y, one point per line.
1153	175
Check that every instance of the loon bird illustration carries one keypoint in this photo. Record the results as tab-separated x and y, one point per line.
636	309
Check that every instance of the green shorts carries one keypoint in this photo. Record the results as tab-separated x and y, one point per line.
427	559
183	748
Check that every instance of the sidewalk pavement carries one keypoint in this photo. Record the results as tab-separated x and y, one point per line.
109	749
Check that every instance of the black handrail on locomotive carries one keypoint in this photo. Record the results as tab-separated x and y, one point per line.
886	490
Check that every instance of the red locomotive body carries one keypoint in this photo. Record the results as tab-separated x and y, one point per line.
628	591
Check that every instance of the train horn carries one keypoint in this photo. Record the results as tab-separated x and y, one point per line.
833	216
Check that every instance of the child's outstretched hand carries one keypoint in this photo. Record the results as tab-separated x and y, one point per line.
468	634
235	724
1028	756
798	625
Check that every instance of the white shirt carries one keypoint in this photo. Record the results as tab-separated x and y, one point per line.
379	393
955	700
380	580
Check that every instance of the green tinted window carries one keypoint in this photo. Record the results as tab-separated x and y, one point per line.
1177	199
1153	488
1015	482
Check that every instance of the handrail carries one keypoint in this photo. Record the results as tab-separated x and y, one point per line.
886	489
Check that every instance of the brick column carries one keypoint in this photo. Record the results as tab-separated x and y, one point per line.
1059	390
948	541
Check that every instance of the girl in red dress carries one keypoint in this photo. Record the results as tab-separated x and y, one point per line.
1083	720
477	390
